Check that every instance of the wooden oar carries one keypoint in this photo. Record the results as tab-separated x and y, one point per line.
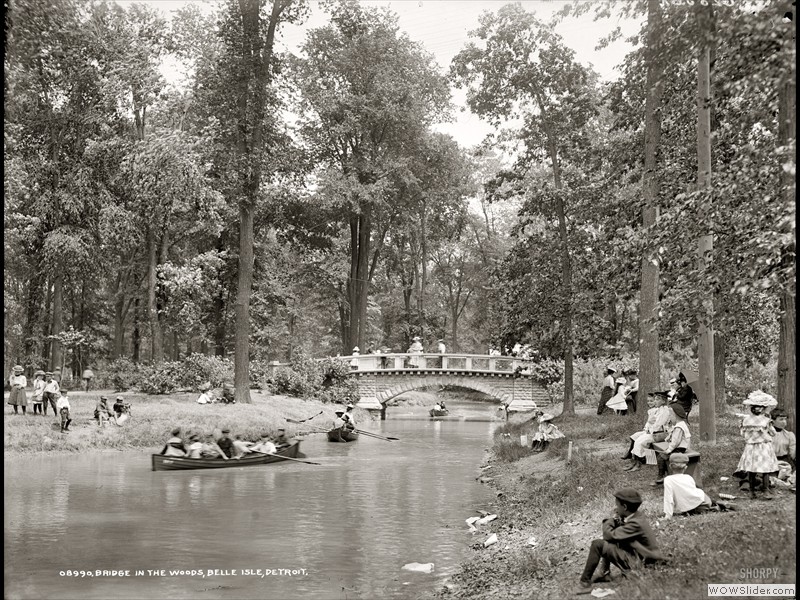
304	420
308	462
375	435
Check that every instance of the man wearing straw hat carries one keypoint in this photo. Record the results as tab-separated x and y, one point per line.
17	397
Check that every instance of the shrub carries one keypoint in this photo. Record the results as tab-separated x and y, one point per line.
198	369
121	375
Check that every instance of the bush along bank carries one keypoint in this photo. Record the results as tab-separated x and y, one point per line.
550	511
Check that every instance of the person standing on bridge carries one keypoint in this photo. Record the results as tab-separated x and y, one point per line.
415	348
441	348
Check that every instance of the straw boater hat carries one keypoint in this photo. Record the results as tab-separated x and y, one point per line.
545	417
38	372
18	369
610	368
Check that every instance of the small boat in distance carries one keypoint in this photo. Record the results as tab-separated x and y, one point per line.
181	463
341	434
438	412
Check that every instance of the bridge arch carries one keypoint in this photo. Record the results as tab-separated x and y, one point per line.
410	384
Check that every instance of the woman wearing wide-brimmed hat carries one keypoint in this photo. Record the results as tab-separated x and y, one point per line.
608	389
415	348
18	383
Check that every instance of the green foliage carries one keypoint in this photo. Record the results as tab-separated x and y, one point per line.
327	380
121	375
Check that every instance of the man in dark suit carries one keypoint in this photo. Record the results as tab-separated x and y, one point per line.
627	541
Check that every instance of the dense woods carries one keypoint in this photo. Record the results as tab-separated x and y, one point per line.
269	205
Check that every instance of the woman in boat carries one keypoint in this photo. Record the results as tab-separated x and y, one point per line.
174	445
195	449
211	450
264	445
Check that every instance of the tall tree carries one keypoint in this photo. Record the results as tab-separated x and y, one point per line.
649	363
521	66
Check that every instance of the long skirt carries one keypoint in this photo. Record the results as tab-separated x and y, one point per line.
17	397
605	396
641	441
758	458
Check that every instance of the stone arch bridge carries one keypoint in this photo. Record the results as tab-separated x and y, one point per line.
381	377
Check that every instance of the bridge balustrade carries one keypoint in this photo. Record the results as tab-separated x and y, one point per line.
435	362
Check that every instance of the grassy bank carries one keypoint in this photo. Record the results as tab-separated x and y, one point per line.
550	511
155	416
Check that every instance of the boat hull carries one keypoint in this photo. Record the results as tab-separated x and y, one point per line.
180	463
340	435
438	413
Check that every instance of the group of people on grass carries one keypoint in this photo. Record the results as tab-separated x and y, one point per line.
46	392
619	394
227	396
628	540
224	447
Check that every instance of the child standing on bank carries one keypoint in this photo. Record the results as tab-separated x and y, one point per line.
758	457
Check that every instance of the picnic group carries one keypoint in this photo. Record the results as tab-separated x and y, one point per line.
48	394
767	462
195	445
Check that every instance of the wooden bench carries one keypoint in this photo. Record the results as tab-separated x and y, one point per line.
693	468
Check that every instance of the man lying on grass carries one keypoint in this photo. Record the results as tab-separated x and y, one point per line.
628	541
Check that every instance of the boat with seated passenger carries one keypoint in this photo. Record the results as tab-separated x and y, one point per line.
182	463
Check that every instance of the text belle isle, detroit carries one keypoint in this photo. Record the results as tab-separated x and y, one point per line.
186	572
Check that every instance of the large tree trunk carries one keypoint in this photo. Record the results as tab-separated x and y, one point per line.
423	280
137	333
787	136
649	361
705	343
719	372
255	65
56	357
156	335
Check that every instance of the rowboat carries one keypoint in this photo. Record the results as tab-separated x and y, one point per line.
438	413
181	463
340	434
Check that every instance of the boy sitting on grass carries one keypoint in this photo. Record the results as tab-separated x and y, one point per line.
681	494
628	541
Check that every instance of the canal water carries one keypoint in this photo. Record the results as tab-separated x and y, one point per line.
338	531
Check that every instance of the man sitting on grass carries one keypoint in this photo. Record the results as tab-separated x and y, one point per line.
681	494
627	541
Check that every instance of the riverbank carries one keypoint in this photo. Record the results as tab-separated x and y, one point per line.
153	417
550	511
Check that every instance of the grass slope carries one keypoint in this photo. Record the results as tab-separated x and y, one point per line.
559	506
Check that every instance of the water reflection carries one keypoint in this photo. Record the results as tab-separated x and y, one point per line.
351	524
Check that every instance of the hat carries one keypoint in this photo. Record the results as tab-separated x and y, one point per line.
610	368
660	394
416	338
350	405
759	398
105	398
281	429
673	380
440	340
681	377
678	458
48	373
176	431
678	410
629	495
545	417
632	371
355	349
119	398
339	412
18	369
38	372
778	413
194	437
226	431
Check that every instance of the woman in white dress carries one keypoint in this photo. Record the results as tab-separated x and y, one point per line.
617	401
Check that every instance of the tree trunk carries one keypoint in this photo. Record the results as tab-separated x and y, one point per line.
705	343
137	333
424	265
290	344
649	360
255	78
719	372
156	335
787	136
566	260
56	357
119	327
218	314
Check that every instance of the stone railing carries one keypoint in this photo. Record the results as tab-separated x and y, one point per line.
473	363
